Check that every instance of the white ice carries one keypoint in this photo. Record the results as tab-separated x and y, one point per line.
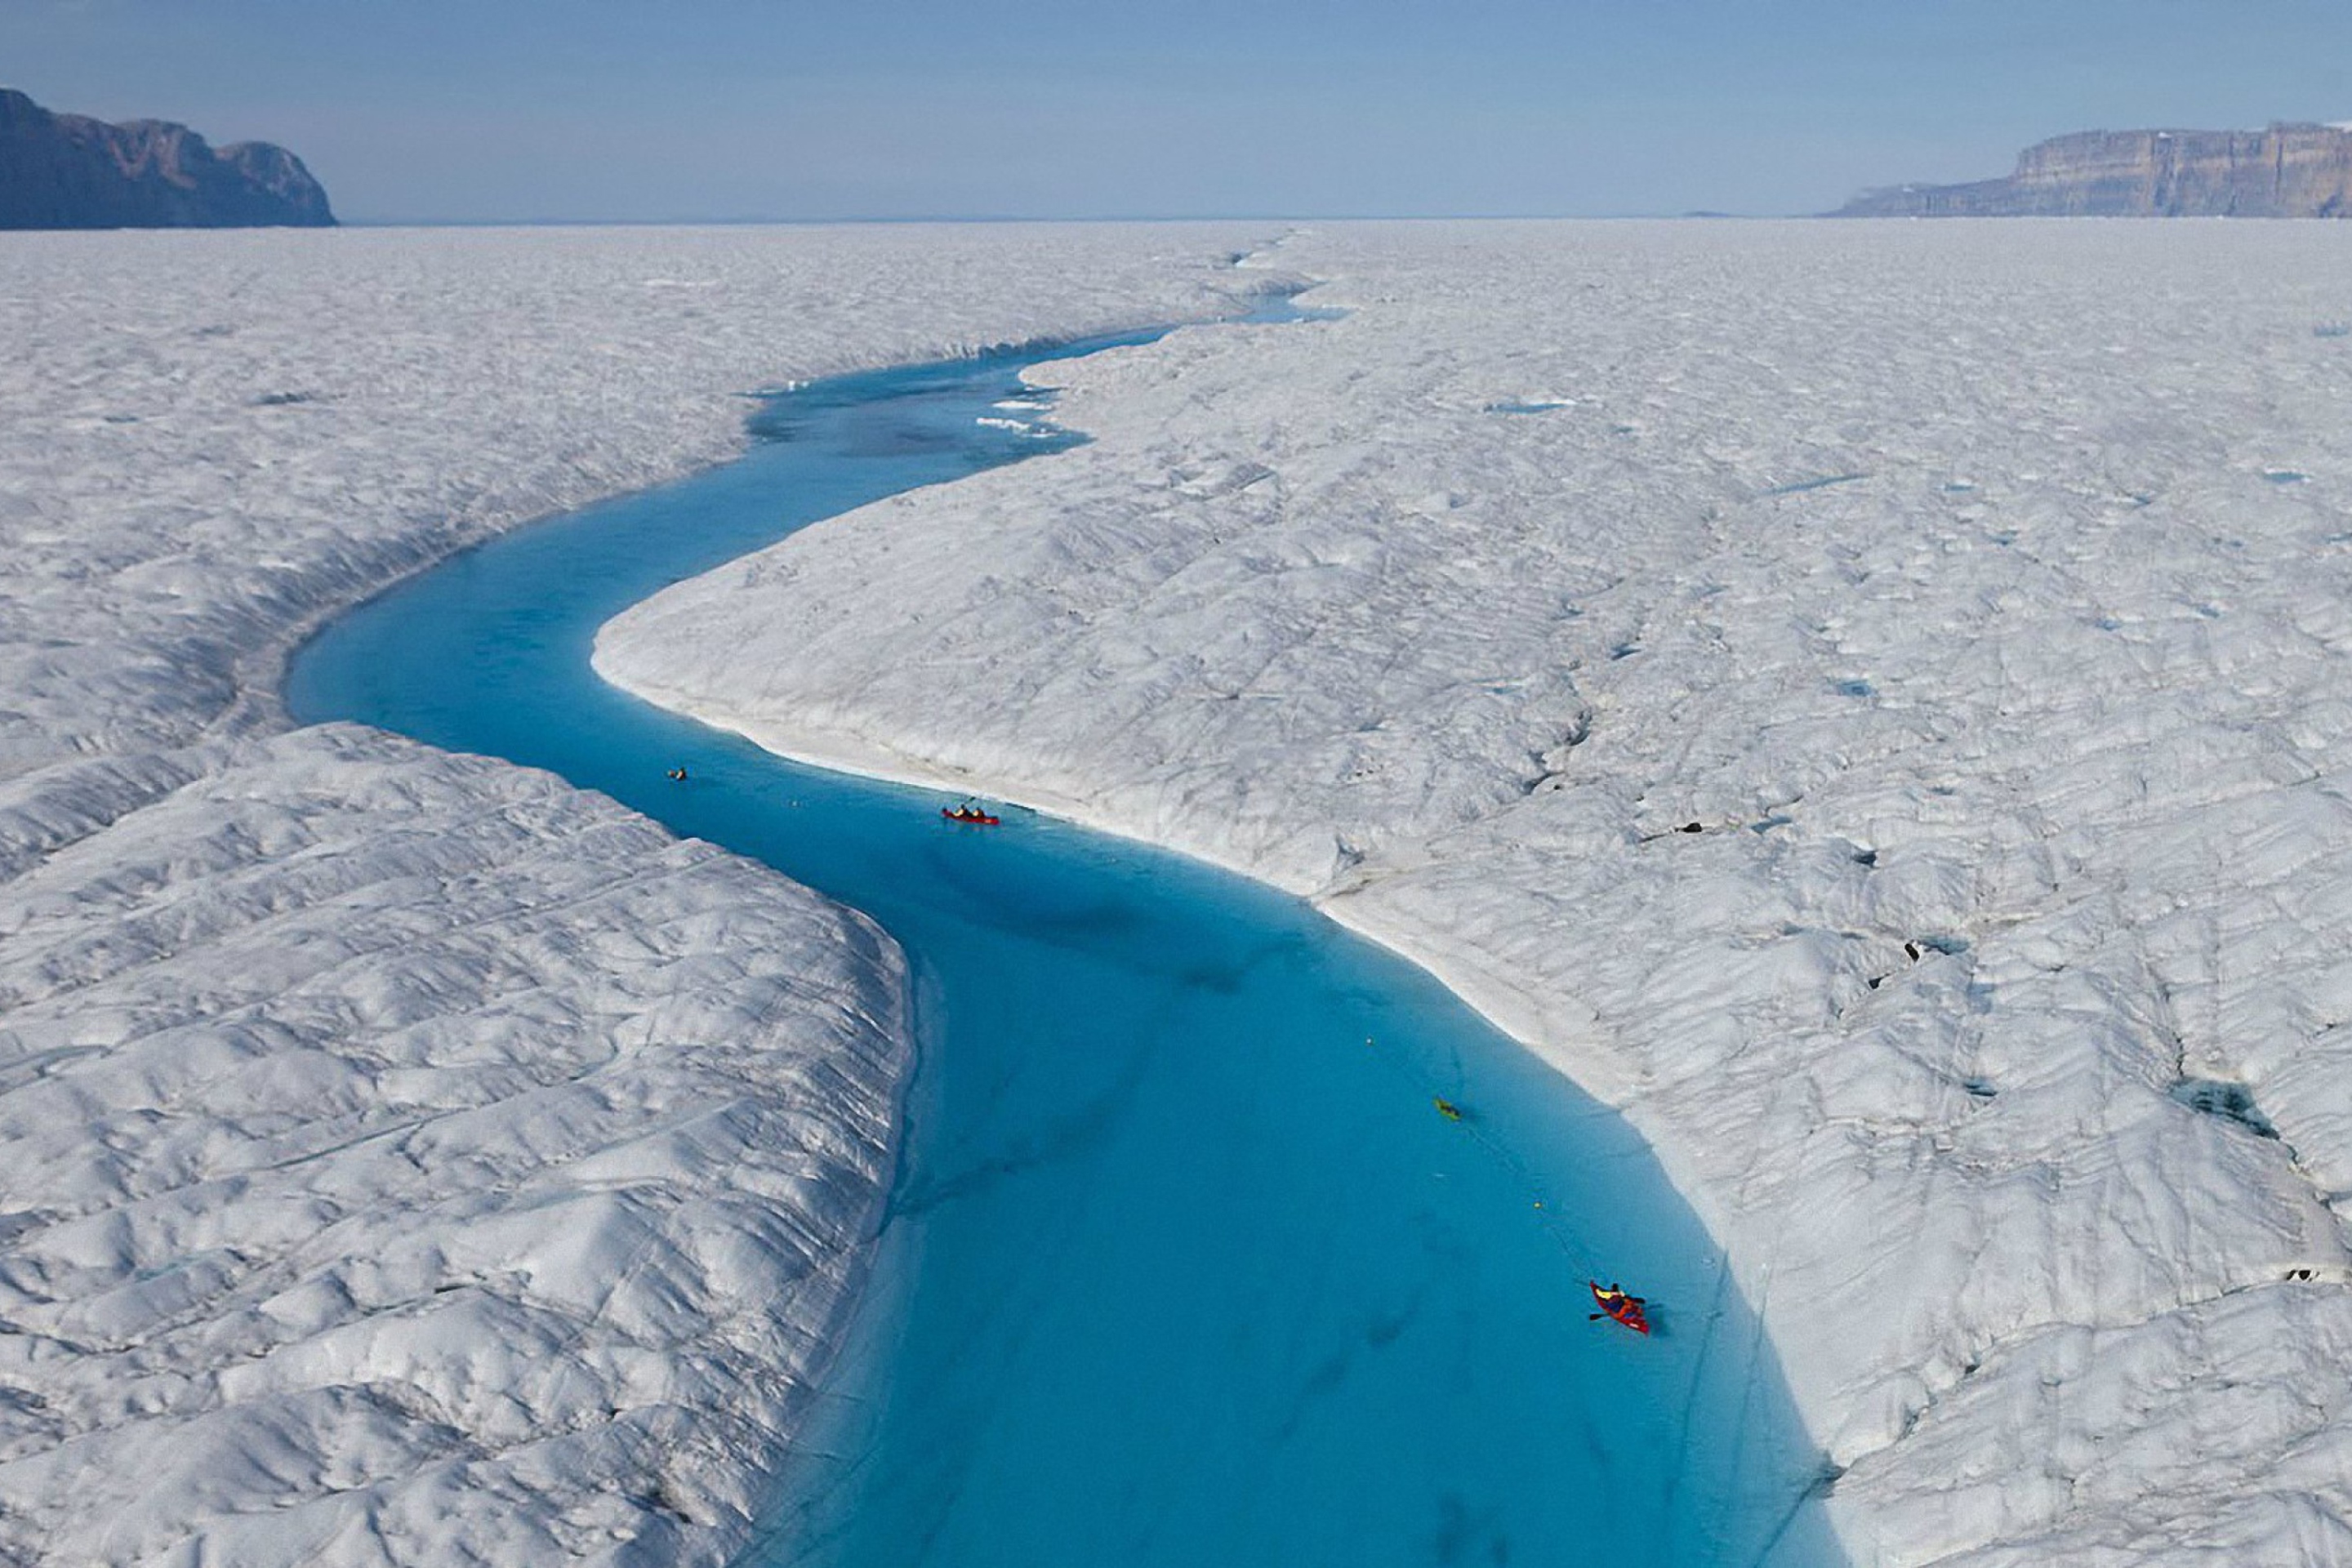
1996	1014
405	1159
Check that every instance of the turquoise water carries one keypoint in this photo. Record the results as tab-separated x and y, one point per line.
1182	1265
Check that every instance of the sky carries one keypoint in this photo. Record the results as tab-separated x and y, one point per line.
655	110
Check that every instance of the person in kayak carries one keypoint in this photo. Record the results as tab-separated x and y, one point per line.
1446	1108
1619	1308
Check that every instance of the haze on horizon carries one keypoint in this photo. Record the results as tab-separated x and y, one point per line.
534	110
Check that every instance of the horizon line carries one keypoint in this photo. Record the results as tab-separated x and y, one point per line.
882	220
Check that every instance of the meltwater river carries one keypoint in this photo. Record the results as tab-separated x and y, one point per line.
1182	1265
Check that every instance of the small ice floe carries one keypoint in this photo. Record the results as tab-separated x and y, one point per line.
1021	427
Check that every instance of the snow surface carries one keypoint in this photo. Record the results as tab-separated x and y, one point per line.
1884	728
405	1159
408	1157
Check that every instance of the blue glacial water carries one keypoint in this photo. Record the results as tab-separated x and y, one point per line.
1182	1265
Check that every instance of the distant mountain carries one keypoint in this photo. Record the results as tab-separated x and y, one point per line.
2287	170
68	171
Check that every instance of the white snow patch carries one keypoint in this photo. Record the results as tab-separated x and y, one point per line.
409	1158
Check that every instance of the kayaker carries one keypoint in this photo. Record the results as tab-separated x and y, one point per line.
1620	1308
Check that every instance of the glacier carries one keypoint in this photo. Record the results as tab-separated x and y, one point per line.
1866	700
405	1158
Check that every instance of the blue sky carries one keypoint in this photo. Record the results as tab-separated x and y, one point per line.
655	109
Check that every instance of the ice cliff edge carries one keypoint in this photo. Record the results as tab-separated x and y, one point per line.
2286	171
68	171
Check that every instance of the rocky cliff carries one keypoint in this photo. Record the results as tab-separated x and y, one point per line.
2287	170
68	171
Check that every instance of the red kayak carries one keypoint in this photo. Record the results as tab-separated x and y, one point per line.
971	814
1620	1308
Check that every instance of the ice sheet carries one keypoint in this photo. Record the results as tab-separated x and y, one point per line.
408	1158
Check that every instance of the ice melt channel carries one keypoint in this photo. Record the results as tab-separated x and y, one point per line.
1182	1264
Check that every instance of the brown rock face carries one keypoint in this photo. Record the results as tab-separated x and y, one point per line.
68	170
2287	170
